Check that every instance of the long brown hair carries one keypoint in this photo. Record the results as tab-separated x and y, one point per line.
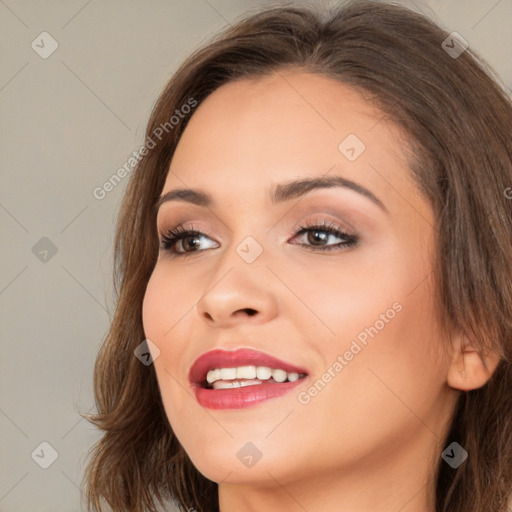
459	123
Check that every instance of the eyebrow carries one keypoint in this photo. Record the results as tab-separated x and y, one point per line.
280	193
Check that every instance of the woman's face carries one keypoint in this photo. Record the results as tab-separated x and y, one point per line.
354	310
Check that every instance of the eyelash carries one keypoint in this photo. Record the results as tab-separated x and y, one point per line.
172	236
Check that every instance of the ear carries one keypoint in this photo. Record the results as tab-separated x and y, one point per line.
468	370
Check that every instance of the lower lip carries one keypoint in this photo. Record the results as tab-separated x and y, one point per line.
246	396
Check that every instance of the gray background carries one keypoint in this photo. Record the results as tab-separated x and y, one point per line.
68	122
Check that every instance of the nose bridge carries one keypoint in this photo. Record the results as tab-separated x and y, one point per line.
247	247
239	282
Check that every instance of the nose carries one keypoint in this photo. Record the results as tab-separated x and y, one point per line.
238	292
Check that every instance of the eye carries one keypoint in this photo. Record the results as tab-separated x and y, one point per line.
180	240
319	235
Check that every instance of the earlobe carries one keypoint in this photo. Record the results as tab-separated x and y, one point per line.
468	370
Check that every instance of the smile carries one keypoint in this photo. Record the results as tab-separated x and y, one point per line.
226	380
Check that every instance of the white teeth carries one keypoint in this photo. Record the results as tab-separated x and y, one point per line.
279	375
263	372
246	372
220	378
228	373
220	384
212	376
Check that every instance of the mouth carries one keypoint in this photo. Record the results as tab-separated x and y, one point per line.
241	376
235	379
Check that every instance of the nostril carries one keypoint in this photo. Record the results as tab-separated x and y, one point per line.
249	311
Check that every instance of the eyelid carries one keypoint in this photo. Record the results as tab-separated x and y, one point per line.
318	220
173	236
311	216
186	226
325	219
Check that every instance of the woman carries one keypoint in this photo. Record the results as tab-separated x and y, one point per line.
313	265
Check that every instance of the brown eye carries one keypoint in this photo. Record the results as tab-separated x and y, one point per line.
320	236
181	241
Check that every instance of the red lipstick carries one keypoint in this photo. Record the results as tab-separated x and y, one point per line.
239	397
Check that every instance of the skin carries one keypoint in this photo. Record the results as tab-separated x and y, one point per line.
371	438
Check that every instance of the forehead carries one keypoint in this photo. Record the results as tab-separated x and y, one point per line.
291	104
285	126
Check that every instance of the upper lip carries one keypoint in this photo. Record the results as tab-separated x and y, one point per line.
232	359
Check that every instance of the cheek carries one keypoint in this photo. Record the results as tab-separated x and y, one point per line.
166	313
344	299
386	390
153	308
400	369
168	305
385	329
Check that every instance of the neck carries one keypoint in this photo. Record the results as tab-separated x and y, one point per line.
403	484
